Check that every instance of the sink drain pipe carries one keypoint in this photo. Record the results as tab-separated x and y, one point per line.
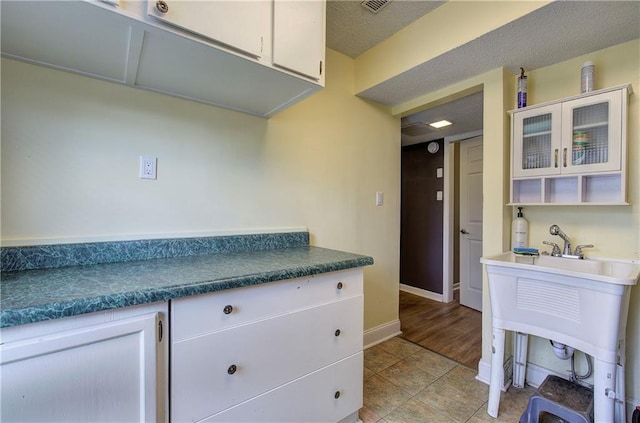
565	352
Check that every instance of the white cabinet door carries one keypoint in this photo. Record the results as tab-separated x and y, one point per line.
299	36
537	144
591	134
242	25
99	373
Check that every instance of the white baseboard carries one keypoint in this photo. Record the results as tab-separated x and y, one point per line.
421	292
381	333
484	374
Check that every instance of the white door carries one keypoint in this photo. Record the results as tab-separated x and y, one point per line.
471	223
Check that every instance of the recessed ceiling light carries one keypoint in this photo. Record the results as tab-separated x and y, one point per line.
440	124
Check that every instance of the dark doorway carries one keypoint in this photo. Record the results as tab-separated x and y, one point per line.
421	232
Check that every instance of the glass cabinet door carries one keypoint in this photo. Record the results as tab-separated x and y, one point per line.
592	134
536	142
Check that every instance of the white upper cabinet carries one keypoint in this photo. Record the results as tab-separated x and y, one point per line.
215	52
571	151
299	36
243	25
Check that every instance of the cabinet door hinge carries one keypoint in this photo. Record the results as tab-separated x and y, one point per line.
160	331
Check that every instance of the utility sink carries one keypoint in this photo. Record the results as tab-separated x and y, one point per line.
601	270
580	303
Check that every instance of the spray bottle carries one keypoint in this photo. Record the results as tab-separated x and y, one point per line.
522	89
519	231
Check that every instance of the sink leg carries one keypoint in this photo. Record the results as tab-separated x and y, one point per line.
604	385
497	372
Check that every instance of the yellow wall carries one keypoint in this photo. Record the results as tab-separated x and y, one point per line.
614	230
70	149
451	25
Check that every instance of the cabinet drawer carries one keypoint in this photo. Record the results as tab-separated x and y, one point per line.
310	398
192	316
216	371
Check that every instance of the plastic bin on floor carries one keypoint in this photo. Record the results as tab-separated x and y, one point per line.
559	401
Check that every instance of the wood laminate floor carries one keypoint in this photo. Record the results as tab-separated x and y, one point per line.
449	329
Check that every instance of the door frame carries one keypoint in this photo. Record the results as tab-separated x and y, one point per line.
448	223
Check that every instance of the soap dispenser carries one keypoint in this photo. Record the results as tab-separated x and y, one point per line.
519	231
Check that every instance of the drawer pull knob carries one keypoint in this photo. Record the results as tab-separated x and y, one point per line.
232	369
227	309
336	395
162	6
340	285
337	332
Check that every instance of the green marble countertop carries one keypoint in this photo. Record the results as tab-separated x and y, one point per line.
35	295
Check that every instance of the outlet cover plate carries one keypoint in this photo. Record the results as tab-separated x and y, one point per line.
148	167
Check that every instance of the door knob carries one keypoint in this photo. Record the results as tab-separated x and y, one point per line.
464	231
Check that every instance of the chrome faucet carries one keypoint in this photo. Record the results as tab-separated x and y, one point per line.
555	230
566	252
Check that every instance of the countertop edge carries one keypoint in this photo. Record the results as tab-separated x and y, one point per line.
51	311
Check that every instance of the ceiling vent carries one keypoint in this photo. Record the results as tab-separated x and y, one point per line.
374	6
415	129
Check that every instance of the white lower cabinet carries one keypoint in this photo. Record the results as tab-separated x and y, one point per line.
295	356
102	367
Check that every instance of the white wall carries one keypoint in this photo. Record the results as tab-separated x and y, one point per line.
71	145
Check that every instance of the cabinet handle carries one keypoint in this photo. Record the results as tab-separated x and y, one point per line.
339	286
227	309
555	157
564	157
232	369
162	6
160	331
337	333
336	395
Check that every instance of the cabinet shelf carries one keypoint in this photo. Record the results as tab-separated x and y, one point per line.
536	134
591	126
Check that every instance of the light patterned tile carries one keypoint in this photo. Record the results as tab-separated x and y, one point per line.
381	396
430	362
464	381
512	404
368	416
399	347
368	373
377	359
407	377
448	401
414	411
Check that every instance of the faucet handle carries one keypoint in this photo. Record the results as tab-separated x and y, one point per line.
556	249
579	248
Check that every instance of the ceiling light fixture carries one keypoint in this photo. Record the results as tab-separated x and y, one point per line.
440	124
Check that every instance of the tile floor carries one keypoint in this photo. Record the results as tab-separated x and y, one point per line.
405	383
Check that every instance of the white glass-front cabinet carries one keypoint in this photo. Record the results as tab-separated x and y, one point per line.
572	151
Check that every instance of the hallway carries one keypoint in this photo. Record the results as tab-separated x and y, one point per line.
449	329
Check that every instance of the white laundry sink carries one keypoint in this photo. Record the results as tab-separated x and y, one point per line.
580	303
601	270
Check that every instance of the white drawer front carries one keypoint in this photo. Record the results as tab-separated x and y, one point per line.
267	353
193	316
309	399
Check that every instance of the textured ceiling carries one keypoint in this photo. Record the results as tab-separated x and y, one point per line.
551	34
352	29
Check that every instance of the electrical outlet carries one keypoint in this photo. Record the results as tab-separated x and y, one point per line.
148	167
